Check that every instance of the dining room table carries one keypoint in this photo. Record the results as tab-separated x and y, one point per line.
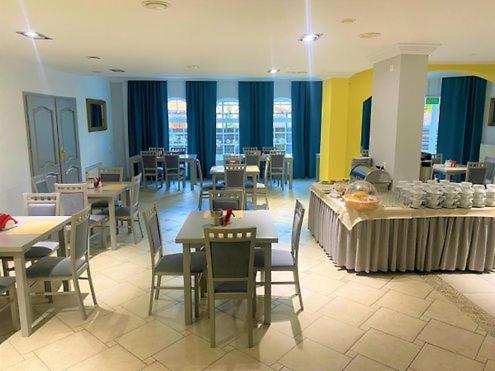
15	242
191	236
110	193
449	171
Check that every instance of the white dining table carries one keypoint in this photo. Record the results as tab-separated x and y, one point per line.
110	193
191	236
16	241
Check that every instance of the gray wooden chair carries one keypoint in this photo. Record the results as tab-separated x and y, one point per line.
151	169
230	267
437	158
235	176
232	159
252	157
205	185
173	170
9	296
108	175
490	169
59	268
157	149
261	189
130	214
284	260
277	167
476	172
227	199
40	184
169	264
135	165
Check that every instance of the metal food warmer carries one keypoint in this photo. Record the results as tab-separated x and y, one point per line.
379	178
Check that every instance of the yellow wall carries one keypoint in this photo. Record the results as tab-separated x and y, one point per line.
341	132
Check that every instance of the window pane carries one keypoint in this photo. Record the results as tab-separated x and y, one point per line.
282	124
227	135
177	124
430	125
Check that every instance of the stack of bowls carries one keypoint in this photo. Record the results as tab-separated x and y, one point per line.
490	195
434	197
416	197
451	196
479	195
466	195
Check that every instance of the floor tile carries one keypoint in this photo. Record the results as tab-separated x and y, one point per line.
227	328
119	294
70	350
333	334
435	358
452	338
361	363
290	322
236	360
115	358
386	349
410	287
395	323
487	349
485	301
449	313
189	353
140	305
359	293
406	304
109	326
8	355
347	311
490	365
32	363
309	355
148	339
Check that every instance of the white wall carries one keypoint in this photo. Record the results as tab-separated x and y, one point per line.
488	131
17	77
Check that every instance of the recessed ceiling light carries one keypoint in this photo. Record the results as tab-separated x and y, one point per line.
116	70
473	54
193	67
155	4
96	71
33	35
348	20
273	70
369	35
310	37
93	57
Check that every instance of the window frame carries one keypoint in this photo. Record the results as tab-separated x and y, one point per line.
177	119
221	125
286	120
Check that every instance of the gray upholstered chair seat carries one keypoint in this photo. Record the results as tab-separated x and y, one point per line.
41	249
96	219
173	263
53	266
208	186
6	283
231	287
120	211
280	258
99	205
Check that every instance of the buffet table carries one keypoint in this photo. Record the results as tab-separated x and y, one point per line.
395	238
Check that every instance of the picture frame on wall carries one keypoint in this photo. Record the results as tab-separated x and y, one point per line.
491	113
96	111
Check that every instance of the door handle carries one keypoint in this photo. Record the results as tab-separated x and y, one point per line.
62	154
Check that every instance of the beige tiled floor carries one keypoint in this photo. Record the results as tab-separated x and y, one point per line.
351	321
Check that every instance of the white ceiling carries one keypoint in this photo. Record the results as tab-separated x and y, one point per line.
241	38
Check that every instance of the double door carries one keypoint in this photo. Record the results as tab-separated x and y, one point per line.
53	138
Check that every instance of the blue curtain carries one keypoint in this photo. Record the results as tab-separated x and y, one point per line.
147	115
201	99
460	124
365	124
255	114
306	126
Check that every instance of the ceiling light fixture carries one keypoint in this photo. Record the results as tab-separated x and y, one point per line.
33	35
369	35
273	71
155	4
348	20
193	67
310	37
93	57
116	70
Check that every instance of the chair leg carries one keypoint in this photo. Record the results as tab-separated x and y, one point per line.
158	284
133	229
91	287
200	200
298	287
140	226
5	267
211	311
79	297
249	319
102	237
14	311
152	289
197	289
48	288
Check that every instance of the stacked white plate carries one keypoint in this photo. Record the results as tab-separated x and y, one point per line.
416	197
451	196
479	195
490	195
466	195
434	196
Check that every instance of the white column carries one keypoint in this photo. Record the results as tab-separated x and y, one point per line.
399	85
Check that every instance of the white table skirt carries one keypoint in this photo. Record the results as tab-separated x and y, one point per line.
422	244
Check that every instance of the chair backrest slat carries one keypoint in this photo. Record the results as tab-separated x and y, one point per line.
245	149
476	172
277	159
232	159
437	158
296	229
227	199
172	162
134	192
253	157
149	161
235	176
199	173
41	204
111	174
73	197
152	223
79	234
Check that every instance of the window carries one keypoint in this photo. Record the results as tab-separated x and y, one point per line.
282	124
227	135
430	125
177	124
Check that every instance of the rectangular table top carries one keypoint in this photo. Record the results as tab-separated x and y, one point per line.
183	157
29	230
192	229
220	169
450	169
109	190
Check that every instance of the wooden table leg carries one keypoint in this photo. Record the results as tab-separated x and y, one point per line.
187	283
62	252
113	225
255	188
267	248
192	174
23	301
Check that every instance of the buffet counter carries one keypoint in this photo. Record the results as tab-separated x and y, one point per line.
396	238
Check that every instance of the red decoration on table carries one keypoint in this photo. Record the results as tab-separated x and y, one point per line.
6	221
227	217
97	182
